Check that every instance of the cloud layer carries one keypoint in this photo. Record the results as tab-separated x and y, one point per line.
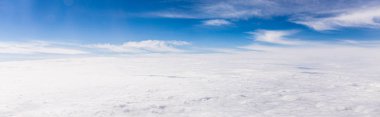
261	38
155	46
42	47
36	48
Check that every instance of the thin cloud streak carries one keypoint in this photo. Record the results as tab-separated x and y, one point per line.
217	22
36	48
356	18
155	46
317	14
261	39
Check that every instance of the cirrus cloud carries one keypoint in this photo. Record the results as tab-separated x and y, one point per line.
36	47
367	17
217	22
317	14
152	46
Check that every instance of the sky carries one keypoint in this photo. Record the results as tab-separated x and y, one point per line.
129	26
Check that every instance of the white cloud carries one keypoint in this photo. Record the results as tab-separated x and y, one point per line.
241	9
355	18
216	22
35	48
233	9
313	81
273	36
170	14
42	47
143	46
317	14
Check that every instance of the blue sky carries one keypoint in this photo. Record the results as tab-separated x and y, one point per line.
203	23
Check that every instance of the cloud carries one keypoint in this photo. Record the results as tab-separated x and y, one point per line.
210	10
241	9
216	22
317	14
273	36
171	14
36	48
355	18
43	47
155	46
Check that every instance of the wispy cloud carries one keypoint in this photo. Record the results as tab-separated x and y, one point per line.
171	14
238	9
217	22
36	48
155	46
368	17
317	14
43	47
273	36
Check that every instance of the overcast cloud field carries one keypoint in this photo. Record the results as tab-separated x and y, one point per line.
189	58
284	82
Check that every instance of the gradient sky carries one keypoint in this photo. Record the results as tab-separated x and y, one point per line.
204	23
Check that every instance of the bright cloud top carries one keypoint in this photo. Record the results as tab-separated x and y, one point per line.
316	82
273	36
216	22
143	46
